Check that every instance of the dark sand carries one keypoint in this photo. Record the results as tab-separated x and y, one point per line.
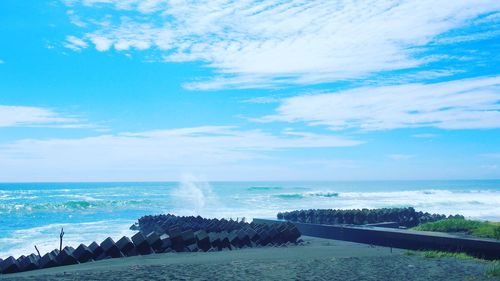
319	259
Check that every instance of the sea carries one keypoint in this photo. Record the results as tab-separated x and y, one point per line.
32	214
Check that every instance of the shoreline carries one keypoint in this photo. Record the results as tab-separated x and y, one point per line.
318	259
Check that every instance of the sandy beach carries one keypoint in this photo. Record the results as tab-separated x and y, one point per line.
317	259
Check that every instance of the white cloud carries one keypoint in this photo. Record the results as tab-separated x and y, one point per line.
152	154
425	136
75	44
492	167
491	155
262	100
101	43
74	19
460	104
400	157
15	116
264	43
470	37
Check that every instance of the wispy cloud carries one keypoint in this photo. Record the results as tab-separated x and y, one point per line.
1	62
400	157
492	167
162	152
425	136
460	104
74	43
266	43
75	19
470	37
491	155
16	116
262	100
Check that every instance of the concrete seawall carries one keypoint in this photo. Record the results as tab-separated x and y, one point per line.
401	238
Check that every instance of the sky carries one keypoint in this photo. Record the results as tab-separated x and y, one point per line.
151	90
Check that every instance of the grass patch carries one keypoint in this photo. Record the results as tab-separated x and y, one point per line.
472	227
441	254
494	271
410	253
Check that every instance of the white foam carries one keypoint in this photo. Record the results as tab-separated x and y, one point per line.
46	238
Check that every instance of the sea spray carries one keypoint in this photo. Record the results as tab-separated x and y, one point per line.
194	195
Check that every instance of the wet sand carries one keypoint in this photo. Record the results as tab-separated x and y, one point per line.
318	259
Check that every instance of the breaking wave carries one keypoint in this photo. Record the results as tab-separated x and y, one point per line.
306	194
264	188
70	206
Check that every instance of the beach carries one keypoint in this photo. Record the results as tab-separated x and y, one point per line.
316	259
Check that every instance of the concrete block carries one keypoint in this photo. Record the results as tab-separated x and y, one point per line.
273	232
176	239
110	249
215	240
191	248
154	241
224	239
166	243
65	257
83	254
29	263
233	238
97	250
126	246
244	238
202	240
265	238
294	233
9	265
48	260
142	246
252	234
188	237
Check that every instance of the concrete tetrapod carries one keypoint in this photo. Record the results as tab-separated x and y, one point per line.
28	263
141	244
126	246
83	254
9	265
65	257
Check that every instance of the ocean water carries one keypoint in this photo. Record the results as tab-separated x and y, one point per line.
33	213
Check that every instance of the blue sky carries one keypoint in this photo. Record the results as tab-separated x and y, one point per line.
108	90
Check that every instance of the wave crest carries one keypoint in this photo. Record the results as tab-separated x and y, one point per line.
306	194
69	206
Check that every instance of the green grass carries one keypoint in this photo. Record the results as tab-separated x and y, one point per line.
410	253
472	227
494	271
441	254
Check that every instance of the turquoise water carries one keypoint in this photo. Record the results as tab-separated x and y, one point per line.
33	213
